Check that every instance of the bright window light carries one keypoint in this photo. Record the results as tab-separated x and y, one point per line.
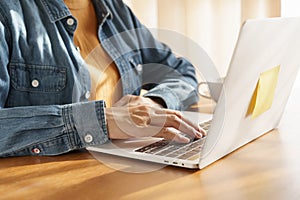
290	8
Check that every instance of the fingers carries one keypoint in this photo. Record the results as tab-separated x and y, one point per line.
172	134
144	121
145	116
171	118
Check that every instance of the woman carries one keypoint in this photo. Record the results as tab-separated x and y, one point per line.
53	102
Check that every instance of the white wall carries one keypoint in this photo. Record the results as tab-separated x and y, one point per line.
146	10
290	8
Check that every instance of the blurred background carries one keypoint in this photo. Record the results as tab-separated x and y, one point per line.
212	24
215	25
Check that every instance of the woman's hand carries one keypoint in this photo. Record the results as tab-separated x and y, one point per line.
135	116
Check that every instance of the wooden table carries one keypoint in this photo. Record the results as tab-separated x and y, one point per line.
268	168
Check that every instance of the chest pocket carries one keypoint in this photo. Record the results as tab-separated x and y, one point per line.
35	84
31	78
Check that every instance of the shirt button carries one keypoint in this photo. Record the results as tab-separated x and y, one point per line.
36	150
88	138
78	49
35	83
70	21
139	68
87	95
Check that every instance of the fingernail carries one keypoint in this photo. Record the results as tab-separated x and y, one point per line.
199	134
184	139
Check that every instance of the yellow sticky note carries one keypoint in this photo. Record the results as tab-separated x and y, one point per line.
264	93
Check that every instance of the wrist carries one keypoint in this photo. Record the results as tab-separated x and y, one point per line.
159	101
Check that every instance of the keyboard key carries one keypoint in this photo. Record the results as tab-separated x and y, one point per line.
159	144
176	150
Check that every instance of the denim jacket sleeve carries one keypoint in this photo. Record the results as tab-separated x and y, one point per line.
164	75
161	72
51	130
44	129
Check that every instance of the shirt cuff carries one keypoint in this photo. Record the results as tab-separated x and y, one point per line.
167	95
173	100
90	123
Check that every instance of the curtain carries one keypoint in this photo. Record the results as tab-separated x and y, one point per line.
212	24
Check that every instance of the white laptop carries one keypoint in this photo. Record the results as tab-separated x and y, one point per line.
255	92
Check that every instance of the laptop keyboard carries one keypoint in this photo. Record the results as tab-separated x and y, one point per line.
190	151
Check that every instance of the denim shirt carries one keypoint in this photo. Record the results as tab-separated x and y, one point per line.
45	84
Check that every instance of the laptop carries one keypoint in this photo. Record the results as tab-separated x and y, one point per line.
255	91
